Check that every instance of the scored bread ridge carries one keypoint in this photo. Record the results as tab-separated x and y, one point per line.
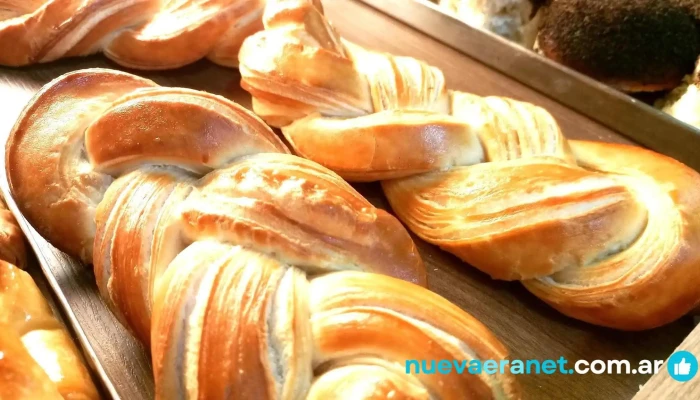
140	34
596	230
296	329
38	357
207	238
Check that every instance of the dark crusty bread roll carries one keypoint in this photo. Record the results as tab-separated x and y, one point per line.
633	45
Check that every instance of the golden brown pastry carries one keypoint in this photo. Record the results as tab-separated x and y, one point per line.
632	45
141	34
12	247
38	359
245	268
604	233
512	19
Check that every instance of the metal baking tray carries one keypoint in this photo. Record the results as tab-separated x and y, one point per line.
625	114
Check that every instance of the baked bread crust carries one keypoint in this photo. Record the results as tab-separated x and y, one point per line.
243	267
140	34
605	233
632	45
39	359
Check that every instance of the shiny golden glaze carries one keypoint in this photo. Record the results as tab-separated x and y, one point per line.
605	233
12	249
244	268
141	34
38	359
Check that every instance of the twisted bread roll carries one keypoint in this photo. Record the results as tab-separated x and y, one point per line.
142	34
240	264
38	359
604	233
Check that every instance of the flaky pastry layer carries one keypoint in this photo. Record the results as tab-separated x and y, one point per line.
244	269
605	233
140	34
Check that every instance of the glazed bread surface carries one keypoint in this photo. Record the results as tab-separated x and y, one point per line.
140	34
12	248
604	233
38	359
243	268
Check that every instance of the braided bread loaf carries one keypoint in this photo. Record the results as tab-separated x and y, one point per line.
241	265
604	233
142	34
38	359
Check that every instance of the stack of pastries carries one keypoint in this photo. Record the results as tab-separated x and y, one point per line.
38	359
